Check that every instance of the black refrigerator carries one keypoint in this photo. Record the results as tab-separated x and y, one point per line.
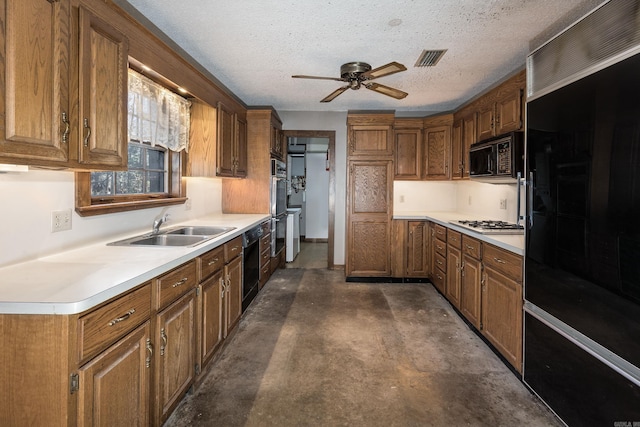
582	262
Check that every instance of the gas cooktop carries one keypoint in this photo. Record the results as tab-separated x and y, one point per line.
490	227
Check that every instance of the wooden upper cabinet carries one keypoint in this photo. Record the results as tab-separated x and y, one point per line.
241	147
457	165
277	145
500	110
225	133
468	138
103	83
407	150
35	107
370	135
201	159
437	156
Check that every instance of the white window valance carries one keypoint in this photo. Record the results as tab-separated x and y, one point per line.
157	115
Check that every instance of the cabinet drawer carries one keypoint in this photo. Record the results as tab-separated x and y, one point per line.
100	328
441	232
211	262
266	227
265	241
471	247
265	272
265	256
439	279
440	262
503	261
440	247
454	238
176	283
232	249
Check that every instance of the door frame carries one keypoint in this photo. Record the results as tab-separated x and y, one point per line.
331	135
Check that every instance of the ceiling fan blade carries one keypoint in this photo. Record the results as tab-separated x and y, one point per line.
317	78
385	70
386	90
334	94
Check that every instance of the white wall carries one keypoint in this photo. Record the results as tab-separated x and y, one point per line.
30	197
316	204
333	121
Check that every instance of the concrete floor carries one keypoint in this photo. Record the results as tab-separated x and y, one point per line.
313	350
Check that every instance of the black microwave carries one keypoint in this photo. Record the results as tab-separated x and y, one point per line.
498	159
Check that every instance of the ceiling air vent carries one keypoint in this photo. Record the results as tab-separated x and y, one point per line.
429	58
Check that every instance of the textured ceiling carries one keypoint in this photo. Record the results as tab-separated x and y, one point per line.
254	46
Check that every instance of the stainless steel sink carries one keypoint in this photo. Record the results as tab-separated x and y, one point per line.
179	236
199	231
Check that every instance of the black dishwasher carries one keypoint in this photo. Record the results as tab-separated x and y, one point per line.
251	268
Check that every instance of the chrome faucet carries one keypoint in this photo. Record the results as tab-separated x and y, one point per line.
158	222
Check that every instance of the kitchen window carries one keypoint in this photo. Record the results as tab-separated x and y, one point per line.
158	129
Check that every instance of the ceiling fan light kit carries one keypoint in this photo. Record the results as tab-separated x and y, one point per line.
358	74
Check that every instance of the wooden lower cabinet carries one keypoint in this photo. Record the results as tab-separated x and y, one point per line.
232	294
454	265
175	344
417	249
115	386
502	315
470	287
212	297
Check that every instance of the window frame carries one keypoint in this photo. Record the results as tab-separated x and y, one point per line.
176	192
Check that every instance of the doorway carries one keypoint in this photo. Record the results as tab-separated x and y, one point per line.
300	140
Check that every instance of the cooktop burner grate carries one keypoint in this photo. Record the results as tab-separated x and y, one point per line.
490	227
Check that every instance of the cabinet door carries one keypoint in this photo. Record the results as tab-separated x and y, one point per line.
103	83
369	209
212	311
468	138
201	159
240	169
485	121
453	275
226	127
457	165
175	338
437	152
408	152
417	249
470	290
370	140
114	387
509	112
502	315
233	294
35	99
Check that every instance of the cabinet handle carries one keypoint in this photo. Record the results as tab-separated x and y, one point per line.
222	287
180	282
213	262
150	350
469	247
88	128
499	261
65	121
123	317
462	269
439	262
163	336
235	248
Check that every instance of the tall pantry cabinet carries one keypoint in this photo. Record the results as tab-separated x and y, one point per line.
369	194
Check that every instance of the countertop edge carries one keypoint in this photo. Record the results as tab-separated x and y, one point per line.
182	255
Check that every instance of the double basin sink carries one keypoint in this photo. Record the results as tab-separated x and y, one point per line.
177	236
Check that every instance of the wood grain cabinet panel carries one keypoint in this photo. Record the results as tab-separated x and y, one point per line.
408	154
176	283
369	189
437	152
35	100
225	140
417	249
175	346
470	293
102	94
202	156
454	265
115	386
211	320
369	243
468	138
233	293
457	162
370	140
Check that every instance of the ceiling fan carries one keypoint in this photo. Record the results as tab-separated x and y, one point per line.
358	74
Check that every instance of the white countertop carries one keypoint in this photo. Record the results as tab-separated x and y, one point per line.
511	242
77	280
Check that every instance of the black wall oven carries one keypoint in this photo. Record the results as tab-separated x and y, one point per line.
278	206
582	266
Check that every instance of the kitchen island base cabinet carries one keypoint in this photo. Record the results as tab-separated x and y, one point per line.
114	387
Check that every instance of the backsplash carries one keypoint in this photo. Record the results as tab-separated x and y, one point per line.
30	197
477	199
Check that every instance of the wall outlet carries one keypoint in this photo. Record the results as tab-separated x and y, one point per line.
402	198
503	203
60	220
187	205
469	202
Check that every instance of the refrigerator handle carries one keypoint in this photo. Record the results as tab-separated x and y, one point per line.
530	201
518	216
